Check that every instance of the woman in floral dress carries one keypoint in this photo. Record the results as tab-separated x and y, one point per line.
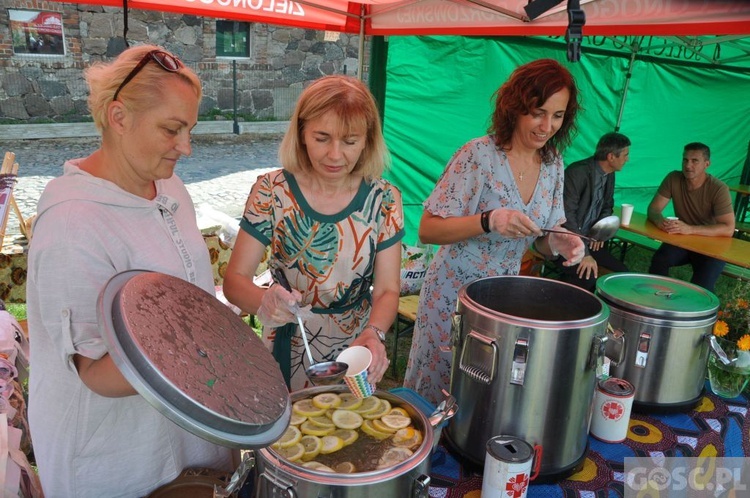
333	227
488	206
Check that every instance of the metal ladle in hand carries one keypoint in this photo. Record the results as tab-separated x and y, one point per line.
601	231
321	374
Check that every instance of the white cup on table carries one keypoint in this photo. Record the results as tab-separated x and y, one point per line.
627	213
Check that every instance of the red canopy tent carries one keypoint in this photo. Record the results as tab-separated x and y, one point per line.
469	17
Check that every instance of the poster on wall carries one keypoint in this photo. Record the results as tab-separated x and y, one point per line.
37	32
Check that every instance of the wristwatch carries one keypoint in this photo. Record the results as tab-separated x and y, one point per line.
381	334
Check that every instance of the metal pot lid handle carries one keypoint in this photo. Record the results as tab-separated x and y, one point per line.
193	359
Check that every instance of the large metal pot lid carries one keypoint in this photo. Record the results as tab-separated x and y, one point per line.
193	359
656	295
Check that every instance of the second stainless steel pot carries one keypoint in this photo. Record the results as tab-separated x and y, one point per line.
525	354
663	324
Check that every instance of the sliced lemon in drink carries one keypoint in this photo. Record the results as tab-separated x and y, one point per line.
322	421
317	466
311	429
292	453
383	409
326	400
305	408
346	419
392	456
408	437
291	436
368	429
346	435
313	445
345	468
297	419
349	401
380	426
400	411
331	444
396	421
369	404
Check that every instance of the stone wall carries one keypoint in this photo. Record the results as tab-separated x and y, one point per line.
45	88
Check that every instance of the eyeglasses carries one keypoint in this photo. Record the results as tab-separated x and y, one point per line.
167	61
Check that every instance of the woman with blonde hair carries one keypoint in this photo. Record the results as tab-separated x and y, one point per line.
333	227
121	208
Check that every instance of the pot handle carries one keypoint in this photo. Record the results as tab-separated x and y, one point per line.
276	482
478	373
615	345
238	478
445	410
716	347
421	487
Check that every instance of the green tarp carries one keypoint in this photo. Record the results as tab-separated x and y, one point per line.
439	95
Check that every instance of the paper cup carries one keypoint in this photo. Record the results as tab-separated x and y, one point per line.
627	213
358	358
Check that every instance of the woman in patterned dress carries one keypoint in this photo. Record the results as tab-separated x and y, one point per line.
333	226
489	204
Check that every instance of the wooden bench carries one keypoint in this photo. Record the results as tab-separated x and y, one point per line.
404	324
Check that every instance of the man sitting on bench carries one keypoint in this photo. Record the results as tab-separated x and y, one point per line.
588	197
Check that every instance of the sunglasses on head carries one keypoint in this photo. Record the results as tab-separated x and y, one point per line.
167	61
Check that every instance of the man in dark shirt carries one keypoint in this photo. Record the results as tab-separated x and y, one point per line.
589	197
702	206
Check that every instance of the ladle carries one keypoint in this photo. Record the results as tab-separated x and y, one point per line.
601	231
326	372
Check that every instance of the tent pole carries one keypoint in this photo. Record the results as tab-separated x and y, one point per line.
625	90
361	61
377	72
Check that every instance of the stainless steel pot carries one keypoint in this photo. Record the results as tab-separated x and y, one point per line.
525	355
277	477
661	326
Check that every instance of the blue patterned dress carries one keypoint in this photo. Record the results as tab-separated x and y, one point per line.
478	178
329	259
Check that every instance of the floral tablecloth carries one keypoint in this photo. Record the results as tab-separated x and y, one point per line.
715	427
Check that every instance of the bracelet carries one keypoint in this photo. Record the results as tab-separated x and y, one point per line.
484	219
379	332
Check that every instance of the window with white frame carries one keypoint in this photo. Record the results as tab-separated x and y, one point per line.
232	39
36	32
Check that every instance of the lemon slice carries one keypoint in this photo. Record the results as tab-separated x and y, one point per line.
369	404
380	426
368	429
331	444
306	408
297	419
291	436
395	421
408	437
383	409
347	435
292	453
313	445
317	466
311	429
345	468
392	456
349	401
400	411
326	400
322	421
346	419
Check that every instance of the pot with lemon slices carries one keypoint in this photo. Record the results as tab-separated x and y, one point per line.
348	447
